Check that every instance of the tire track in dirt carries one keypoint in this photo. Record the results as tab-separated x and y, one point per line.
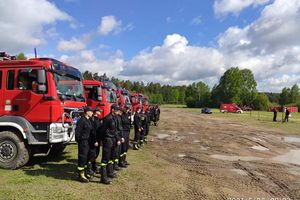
210	178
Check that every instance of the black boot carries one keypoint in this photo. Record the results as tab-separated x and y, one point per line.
116	167
104	179
125	160
82	177
135	146
110	171
122	162
89	173
95	168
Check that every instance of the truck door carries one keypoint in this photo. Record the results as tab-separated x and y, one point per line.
22	97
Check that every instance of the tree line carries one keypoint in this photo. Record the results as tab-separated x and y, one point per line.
235	86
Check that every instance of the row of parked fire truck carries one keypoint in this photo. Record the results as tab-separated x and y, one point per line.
40	101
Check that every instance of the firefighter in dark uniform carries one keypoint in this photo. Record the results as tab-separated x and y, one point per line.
126	123
94	141
137	128
147	126
120	138
144	125
82	134
109	141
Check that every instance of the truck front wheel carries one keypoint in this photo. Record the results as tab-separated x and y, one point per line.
13	152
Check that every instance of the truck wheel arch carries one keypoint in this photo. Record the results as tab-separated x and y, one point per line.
11	126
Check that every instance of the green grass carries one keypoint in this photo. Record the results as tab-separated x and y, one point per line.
259	119
55	178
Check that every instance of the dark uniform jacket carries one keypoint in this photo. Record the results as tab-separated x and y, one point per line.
119	126
83	129
126	121
137	121
110	127
97	124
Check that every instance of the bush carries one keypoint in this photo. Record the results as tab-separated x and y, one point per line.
261	102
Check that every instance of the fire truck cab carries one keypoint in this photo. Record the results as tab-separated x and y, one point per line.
40	100
99	95
136	101
123	98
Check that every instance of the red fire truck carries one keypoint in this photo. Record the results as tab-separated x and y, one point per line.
136	101
99	95
145	102
123	97
40	100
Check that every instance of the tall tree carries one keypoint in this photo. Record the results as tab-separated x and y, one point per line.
284	96
294	94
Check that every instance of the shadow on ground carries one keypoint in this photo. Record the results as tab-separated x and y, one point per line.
59	167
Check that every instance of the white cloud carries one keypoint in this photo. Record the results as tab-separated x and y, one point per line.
72	45
223	7
175	61
196	20
22	23
109	24
86	60
269	46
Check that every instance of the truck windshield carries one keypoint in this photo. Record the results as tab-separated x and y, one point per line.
68	87
126	100
111	96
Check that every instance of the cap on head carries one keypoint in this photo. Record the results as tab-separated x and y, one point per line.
115	107
87	109
97	109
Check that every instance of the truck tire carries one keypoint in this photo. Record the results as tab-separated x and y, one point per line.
13	151
57	149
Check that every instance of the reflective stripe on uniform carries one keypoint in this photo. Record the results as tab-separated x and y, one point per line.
80	168
116	160
110	162
103	164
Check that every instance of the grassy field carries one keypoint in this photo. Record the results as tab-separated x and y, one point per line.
255	118
55	178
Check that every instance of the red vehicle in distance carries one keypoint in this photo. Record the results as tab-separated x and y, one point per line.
230	107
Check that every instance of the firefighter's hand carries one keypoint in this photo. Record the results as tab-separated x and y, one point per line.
119	143
140	129
96	144
122	140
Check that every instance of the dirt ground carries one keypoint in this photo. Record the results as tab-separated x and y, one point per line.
226	159
189	156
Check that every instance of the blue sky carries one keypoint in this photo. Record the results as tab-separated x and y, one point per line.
172	41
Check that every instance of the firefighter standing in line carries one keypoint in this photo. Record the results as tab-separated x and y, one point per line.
126	122
110	140
137	128
94	141
144	124
82	135
147	126
120	138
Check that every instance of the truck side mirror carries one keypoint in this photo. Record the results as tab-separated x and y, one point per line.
99	93
41	76
42	88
